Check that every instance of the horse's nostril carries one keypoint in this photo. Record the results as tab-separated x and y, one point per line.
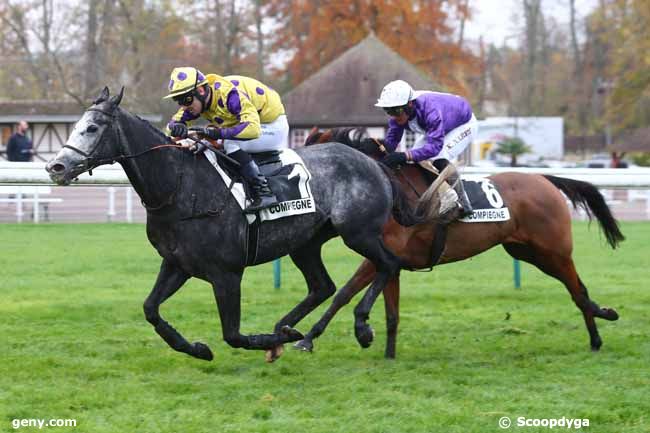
56	168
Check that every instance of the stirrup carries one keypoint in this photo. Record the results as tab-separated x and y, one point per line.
261	202
464	212
465	205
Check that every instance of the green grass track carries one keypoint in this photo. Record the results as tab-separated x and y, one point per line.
74	344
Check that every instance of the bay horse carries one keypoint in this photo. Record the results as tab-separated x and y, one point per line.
199	230
539	232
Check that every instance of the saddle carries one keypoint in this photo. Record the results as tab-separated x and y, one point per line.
269	164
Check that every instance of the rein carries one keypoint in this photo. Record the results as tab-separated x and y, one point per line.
383	150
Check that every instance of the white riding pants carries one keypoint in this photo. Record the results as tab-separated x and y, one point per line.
275	136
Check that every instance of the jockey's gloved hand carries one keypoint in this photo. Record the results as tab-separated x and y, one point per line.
212	133
199	147
178	130
394	159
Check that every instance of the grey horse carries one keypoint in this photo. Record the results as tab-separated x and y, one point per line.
199	230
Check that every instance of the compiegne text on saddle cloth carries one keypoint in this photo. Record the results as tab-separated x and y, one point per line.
487	202
295	197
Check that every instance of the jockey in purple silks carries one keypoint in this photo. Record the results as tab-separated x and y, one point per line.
445	121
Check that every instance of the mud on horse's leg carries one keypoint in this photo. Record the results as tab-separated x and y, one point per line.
170	279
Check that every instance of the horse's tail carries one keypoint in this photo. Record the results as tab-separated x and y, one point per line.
591	200
403	213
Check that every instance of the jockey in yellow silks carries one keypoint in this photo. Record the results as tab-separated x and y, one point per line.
246	114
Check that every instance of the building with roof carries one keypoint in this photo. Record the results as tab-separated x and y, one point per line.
50	124
344	92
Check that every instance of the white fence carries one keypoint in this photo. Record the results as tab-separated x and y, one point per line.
107	196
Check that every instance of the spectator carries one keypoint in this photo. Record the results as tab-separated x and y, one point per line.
19	147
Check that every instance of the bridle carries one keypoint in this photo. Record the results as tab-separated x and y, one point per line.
90	162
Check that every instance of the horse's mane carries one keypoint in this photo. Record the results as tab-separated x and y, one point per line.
152	128
354	137
133	117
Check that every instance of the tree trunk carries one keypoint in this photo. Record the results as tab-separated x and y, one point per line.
531	13
260	40
578	72
91	72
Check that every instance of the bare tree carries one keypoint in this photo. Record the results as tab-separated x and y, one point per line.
260	39
92	51
532	12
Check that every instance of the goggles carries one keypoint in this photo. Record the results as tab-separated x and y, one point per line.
394	111
185	100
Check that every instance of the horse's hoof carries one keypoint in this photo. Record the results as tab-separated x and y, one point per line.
274	354
609	314
595	344
304	345
365	334
291	334
202	351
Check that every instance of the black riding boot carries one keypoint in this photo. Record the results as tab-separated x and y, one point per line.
261	194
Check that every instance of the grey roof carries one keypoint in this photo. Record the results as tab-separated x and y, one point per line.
48	111
344	91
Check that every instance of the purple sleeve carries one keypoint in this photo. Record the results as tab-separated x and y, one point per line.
394	135
435	137
233	103
229	133
185	117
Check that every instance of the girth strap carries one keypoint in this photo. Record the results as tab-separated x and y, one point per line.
438	247
252	240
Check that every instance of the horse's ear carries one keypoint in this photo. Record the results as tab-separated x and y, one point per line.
115	100
103	96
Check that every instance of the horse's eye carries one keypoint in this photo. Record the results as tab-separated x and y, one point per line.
92	129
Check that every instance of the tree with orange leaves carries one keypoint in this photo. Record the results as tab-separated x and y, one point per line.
315	32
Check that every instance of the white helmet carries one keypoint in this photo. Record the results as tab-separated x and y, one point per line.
395	94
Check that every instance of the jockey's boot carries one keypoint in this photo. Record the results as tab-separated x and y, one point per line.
463	200
261	194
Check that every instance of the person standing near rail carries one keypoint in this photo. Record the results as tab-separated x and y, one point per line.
19	146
